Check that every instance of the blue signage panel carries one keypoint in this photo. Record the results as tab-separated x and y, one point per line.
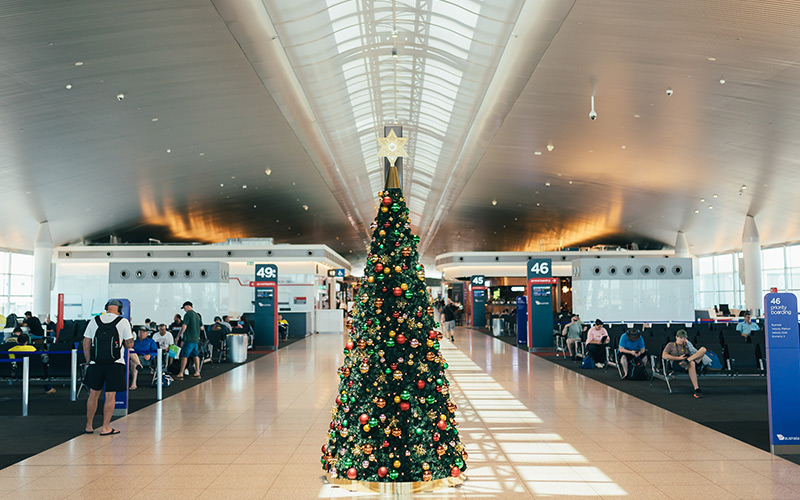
479	307
522	320
265	329
783	371
540	303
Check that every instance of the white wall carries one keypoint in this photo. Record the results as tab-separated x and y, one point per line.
597	293
85	289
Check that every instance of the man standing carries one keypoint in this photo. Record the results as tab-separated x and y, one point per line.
190	331
34	326
103	347
745	327
449	315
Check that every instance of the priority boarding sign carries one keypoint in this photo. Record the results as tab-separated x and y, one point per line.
783	371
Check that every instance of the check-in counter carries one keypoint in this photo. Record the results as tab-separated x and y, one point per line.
330	320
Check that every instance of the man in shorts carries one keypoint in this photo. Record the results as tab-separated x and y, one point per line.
682	359
573	332
449	316
190	332
108	376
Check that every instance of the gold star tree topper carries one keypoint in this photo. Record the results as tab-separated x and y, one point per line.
392	147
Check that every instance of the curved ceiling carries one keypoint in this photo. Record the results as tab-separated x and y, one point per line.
251	118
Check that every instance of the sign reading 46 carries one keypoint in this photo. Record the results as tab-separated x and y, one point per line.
538	268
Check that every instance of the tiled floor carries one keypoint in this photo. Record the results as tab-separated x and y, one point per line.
532	430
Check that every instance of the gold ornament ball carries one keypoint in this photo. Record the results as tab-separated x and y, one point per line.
404	287
382	233
396	464
392	333
398	269
397	375
386	270
371	279
384	209
397	399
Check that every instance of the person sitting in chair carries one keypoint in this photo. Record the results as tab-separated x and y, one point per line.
596	340
283	327
679	353
631	346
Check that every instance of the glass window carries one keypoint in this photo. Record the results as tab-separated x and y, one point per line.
794	278
706	265
725	281
3	263
724	263
772	258
775	278
21	264
793	256
706	300
21	285
706	282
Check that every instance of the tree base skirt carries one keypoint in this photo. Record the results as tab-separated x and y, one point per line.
396	487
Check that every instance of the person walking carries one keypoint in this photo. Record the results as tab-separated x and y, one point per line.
103	347
190	332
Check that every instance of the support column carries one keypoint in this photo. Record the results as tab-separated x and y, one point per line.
751	260
682	246
42	264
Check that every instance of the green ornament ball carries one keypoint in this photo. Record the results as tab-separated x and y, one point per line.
390	343
418	431
394	475
344	423
373	422
388	371
409	294
405	395
445	366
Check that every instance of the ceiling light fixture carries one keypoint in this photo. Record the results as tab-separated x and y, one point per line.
716	196
68	86
268	171
537	153
712	59
394	52
722	81
494	203
547	184
78	63
702	200
550	147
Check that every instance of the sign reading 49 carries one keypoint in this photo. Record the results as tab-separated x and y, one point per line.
267	272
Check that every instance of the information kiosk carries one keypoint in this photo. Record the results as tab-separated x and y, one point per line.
266	306
540	303
478	292
783	371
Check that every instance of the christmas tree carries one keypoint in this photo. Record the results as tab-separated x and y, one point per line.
394	420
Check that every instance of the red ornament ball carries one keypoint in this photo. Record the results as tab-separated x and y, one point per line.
364	418
338	400
401	339
387	200
442	425
349	346
420	384
384	289
352	473
385	444
405	406
382	471
379	267
325	448
432	334
397	291
455	472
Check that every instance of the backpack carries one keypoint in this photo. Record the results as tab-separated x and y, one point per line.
638	371
166	380
106	347
588	362
716	363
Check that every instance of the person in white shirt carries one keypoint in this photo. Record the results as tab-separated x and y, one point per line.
104	350
163	338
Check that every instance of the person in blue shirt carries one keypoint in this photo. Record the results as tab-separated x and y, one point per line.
746	326
143	344
631	345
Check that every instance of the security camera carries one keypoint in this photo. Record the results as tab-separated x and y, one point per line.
120	96
669	91
593	115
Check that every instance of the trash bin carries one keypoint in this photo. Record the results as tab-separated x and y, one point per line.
237	347
497	327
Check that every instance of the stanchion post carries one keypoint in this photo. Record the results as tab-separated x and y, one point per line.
159	375
26	367
73	381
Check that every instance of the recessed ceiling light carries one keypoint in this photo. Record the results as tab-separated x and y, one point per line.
547	184
570	182
78	63
538	204
68	86
169	151
244	186
550	147
744	186
268	171
624	147
712	59
154	119
710	207
494	202
305	207
221	185
702	200
716	196
255	206
202	154
537	153
636	116
722	81
697	211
